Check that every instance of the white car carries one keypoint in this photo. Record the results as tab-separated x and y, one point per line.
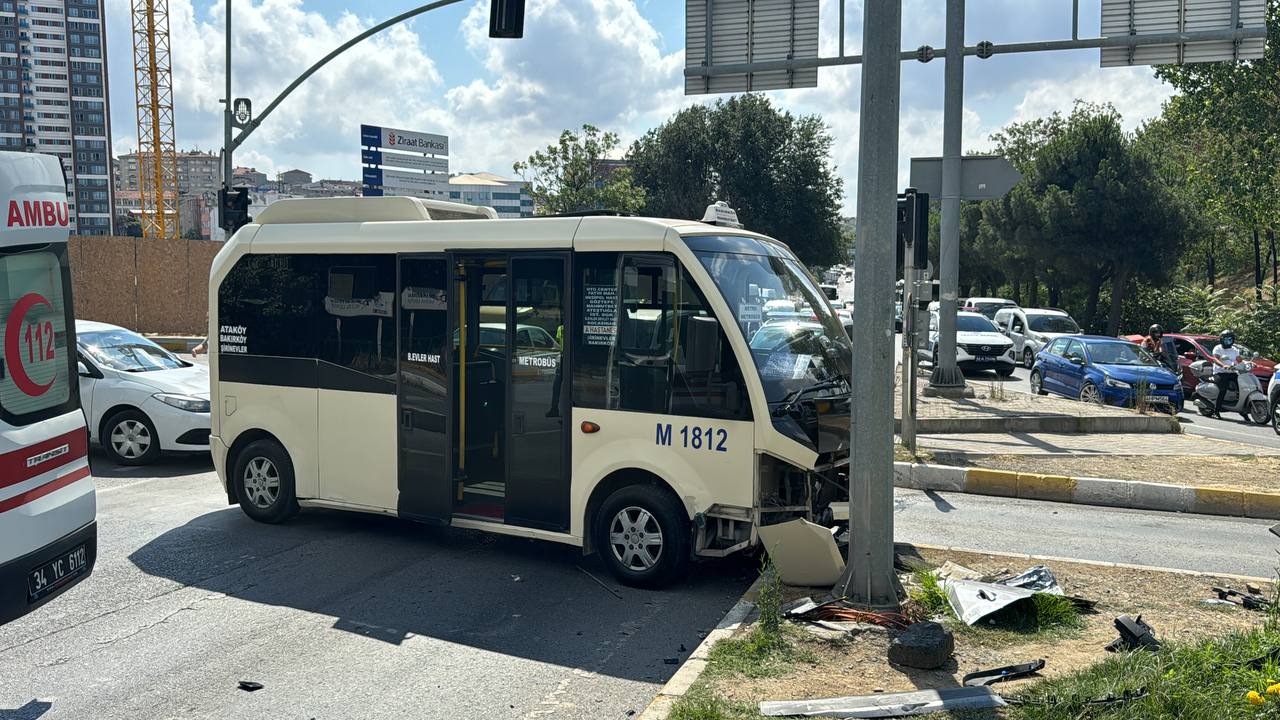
979	344
140	399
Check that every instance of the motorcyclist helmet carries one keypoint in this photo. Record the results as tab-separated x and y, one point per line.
1156	331
1227	339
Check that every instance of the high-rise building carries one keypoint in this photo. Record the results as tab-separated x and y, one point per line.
53	97
198	171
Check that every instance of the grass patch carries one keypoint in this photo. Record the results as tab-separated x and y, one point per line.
759	654
1051	616
1205	680
928	593
702	704
902	454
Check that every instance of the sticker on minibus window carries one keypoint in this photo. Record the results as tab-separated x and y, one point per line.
599	314
233	339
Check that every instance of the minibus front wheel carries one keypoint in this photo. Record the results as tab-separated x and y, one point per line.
264	482
643	535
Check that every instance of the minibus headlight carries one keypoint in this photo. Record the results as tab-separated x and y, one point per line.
184	402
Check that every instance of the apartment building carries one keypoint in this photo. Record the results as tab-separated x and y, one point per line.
199	172
53	98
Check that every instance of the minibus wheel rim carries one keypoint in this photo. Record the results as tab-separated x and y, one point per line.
635	538
262	482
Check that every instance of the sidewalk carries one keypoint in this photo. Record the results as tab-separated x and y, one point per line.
955	447
994	411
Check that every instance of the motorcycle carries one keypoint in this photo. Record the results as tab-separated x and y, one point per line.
1249	400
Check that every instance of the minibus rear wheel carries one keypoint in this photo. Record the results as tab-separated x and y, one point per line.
643	535
264	482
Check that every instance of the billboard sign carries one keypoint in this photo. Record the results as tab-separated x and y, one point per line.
420	159
720	34
1172	17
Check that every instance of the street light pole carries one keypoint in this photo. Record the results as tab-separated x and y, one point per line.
869	577
226	115
947	378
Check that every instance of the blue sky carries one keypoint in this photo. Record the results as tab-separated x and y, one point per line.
612	63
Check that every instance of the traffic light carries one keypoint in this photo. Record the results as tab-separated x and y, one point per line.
913	227
506	18
233	209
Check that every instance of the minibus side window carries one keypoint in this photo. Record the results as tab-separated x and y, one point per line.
707	381
595	330
646	328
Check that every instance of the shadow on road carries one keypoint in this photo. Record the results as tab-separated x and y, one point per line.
389	579
170	465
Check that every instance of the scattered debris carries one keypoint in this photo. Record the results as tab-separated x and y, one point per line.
956	571
925	645
1272	655
1248	602
804	553
600	582
516	578
250	686
903	704
1217	601
1038	579
1009	672
1134	635
1252	589
843	611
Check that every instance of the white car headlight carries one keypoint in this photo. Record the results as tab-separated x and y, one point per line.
183	402
1112	382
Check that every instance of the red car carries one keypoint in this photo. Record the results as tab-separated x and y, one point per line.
1190	348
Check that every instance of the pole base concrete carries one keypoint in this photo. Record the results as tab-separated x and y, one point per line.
953	392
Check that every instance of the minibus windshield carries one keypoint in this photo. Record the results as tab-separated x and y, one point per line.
795	351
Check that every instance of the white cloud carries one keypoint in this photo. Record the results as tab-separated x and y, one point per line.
1134	91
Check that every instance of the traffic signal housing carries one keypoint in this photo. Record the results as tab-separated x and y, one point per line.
506	18
233	209
913	228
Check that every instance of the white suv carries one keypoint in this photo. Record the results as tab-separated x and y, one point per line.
1031	329
979	345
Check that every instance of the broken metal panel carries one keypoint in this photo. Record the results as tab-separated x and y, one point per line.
804	553
973	600
888	705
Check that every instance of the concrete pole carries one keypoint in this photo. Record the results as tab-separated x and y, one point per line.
947	378
869	577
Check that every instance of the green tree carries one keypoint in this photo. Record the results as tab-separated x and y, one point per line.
1226	121
773	167
568	176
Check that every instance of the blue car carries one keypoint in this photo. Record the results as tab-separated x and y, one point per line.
1104	370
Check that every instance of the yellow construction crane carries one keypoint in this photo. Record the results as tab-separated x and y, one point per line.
157	156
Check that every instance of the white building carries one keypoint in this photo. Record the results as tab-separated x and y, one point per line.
53	98
510	198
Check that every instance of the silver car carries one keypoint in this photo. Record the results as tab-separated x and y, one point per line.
1031	328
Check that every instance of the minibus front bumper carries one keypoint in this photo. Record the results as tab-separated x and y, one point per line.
16	592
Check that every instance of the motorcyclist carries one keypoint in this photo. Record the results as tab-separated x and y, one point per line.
1226	357
1154	344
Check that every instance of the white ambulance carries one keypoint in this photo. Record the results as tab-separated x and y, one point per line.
48	532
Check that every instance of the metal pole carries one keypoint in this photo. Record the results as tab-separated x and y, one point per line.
947	378
869	577
908	353
226	117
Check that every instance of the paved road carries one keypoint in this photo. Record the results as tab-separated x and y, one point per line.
1233	428
339	616
1189	542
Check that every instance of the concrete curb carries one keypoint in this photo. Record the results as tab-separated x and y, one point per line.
1132	494
691	670
1043	424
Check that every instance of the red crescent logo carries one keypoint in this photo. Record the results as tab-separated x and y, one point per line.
11	349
